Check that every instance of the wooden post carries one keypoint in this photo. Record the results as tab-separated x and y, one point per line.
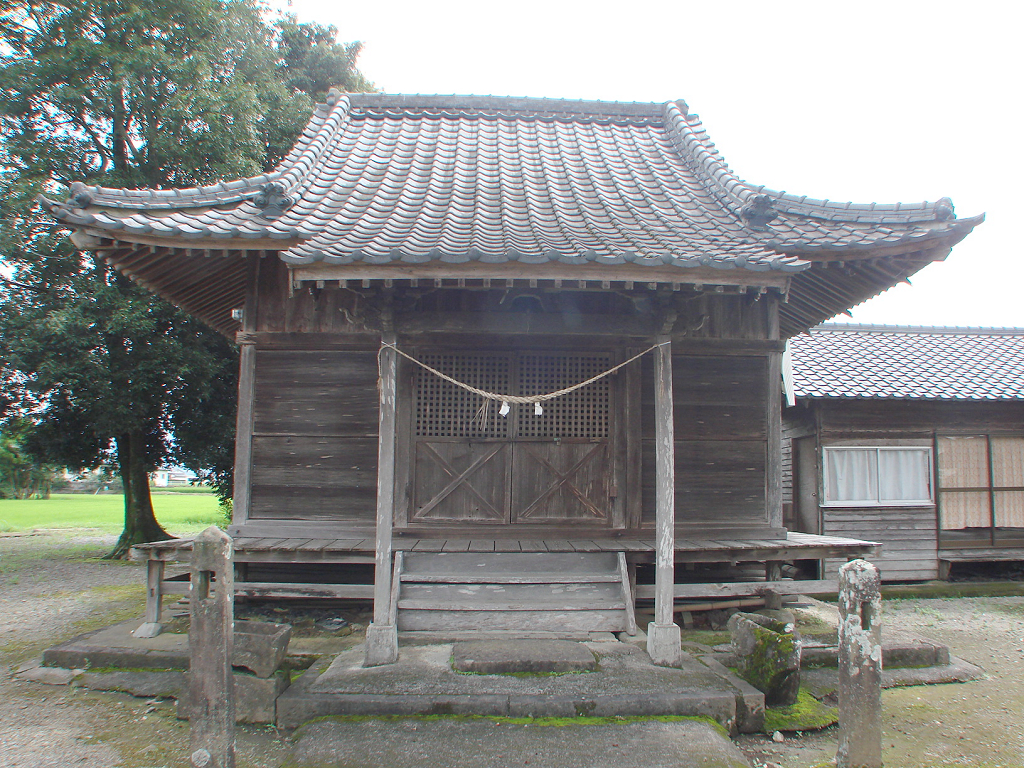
860	666
663	636
154	595
382	633
772	572
773	468
210	639
242	489
241	494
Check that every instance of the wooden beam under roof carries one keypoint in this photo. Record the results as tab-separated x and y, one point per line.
660	274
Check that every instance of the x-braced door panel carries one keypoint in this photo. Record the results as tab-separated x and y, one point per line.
560	467
557	481
471	464
458	480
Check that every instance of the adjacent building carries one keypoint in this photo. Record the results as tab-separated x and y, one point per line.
911	437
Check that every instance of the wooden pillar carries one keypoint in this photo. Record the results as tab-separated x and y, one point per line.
241	493
242	488
773	468
663	637
151	627
382	633
210	639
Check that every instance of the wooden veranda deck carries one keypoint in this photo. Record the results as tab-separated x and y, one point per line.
248	550
796	546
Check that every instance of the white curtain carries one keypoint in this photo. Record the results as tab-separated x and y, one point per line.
851	475
903	475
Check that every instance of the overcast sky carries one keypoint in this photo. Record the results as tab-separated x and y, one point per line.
892	101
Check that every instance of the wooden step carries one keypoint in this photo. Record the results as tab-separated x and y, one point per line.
567	592
508	578
451	592
552	605
509	562
558	622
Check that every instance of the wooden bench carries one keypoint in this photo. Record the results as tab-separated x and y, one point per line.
947	557
248	551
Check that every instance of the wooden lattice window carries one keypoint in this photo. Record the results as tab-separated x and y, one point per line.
446	410
443	409
471	464
583	413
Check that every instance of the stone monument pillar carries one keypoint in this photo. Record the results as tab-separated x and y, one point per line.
860	666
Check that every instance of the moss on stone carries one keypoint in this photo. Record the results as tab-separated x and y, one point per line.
761	669
705	637
808	714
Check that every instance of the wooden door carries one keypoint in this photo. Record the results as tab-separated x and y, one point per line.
470	464
462	453
560	462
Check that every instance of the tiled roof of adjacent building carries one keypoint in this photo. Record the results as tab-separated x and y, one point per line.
931	363
381	178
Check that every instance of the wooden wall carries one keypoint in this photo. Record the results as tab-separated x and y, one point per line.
908	536
314	448
314	442
721	442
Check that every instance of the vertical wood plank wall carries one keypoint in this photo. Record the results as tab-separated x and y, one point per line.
721	441
314	433
314	445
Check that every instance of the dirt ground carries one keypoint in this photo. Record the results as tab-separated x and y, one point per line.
52	587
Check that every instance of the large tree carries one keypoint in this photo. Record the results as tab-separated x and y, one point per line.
133	93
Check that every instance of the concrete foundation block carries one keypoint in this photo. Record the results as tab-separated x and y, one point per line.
260	646
664	644
381	645
255	698
148	630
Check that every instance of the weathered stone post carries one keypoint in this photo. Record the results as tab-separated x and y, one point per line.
210	640
860	666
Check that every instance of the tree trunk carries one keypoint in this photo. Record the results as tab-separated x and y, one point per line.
140	523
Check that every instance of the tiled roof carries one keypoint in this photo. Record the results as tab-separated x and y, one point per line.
877	361
381	178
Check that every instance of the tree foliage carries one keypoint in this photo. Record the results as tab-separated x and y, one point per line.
21	475
133	93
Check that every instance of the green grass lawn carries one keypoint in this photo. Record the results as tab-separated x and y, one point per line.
177	512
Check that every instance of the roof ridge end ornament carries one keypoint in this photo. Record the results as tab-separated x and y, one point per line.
273	199
79	195
759	212
944	210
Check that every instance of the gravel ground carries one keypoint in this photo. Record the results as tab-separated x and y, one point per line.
52	587
975	724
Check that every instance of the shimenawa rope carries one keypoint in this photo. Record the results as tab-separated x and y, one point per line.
522	399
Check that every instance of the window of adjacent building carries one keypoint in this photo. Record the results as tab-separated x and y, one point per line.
981	482
879	475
